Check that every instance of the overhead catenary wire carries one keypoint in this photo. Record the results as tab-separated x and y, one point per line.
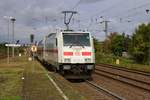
128	13
85	1
135	13
132	9
76	5
91	18
127	18
117	16
106	10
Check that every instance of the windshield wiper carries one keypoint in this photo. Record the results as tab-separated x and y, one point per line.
76	45
70	45
81	45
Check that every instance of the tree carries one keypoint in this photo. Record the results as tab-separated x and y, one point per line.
97	45
116	44
108	43
127	43
140	47
3	49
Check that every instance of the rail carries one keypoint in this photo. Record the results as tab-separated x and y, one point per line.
125	69
129	81
99	88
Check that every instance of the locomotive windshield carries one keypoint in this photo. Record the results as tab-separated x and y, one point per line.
76	39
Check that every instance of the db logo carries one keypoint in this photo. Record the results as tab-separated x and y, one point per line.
34	48
77	53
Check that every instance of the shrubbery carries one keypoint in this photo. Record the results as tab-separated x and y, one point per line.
136	46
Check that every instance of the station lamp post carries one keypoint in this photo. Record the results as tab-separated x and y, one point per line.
13	35
8	20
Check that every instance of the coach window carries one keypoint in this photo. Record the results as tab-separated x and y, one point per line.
56	41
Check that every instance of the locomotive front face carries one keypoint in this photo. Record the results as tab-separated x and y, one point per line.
77	50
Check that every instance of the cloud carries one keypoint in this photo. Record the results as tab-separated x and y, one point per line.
30	14
41	14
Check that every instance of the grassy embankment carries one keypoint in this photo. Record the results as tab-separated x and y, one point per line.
3	51
124	62
10	79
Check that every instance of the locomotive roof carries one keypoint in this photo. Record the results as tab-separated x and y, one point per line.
67	32
75	32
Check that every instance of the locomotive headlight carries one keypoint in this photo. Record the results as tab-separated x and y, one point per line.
90	67
67	60
66	67
87	60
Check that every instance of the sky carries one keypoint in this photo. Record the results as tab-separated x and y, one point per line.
40	17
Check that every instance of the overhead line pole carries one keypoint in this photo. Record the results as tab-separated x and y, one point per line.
106	27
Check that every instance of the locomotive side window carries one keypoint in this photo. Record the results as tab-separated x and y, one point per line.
76	39
56	41
51	41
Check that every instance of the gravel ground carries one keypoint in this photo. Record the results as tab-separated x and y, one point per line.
124	90
89	92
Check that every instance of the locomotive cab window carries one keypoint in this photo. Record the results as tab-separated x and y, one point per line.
76	39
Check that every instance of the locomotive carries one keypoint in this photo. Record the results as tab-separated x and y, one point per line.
70	52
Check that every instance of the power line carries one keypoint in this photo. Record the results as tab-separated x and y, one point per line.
77	4
132	9
107	9
84	1
113	6
103	11
129	10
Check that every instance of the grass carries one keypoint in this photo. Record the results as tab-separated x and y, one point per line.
37	86
138	67
103	58
10	79
10	84
11	98
124	62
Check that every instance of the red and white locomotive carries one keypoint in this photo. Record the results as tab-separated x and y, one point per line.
71	53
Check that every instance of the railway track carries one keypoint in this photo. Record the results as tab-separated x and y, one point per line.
3	56
124	79
109	93
125	69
